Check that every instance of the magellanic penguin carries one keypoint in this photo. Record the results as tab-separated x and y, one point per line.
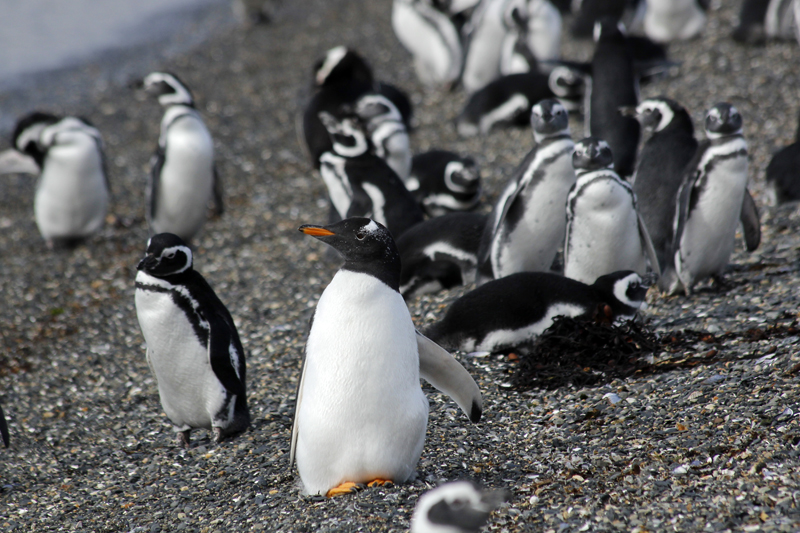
361	415
387	132
604	230
455	507
183	177
440	253
72	194
783	173
712	200
533	36
760	20
193	347
587	12
672	20
510	312
508	100
359	182
527	224
444	182
659	172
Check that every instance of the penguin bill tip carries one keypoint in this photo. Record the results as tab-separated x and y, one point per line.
315	231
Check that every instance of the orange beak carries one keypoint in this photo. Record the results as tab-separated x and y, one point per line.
316	231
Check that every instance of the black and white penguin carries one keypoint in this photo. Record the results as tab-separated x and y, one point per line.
455	507
183	177
604	230
587	12
440	253
444	182
509	312
783	173
193	347
527	224
387	132
660	170
509	99
760	20
4	428
712	200
674	20
360	416
362	184
72	194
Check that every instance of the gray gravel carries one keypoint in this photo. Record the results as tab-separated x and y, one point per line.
708	448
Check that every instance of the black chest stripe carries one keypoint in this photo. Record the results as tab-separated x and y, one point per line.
188	305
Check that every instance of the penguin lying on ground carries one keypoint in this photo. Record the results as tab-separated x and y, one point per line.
193	347
455	507
183	177
783	173
361	415
443	182
509	312
72	194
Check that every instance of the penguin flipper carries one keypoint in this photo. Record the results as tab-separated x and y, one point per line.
440	369
3	428
15	162
647	242
750	222
223	346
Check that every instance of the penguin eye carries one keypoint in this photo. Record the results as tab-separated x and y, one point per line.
361	234
171	255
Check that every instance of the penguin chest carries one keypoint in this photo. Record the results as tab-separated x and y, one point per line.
332	169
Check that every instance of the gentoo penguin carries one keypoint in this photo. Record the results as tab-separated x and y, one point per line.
72	194
455	507
527	224
659	172
509	99
783	173
4	428
387	132
711	201
440	253
432	38
359	182
183	178
604	230
587	12
361	415
193	347
443	182
760	20
510	312
672	20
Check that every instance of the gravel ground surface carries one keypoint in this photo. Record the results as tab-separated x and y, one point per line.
707	445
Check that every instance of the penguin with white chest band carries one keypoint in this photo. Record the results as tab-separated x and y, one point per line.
604	230
72	194
183	177
193	347
713	199
528	222
444	182
672	20
360	416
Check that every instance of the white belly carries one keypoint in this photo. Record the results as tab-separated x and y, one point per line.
363	414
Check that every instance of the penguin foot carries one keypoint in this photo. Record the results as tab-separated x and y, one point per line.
348	487
380	483
183	439
217	434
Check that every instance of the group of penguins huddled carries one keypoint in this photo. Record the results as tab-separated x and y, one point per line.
407	224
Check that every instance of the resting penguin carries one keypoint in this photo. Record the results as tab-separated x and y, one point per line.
604	230
659	173
712	200
783	173
361	415
527	223
183	177
193	347
444	182
455	507
440	253
388	135
72	194
510	312
672	20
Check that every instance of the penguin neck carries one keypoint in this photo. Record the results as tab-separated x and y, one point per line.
386	270
543	139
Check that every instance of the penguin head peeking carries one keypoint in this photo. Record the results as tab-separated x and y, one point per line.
341	66
592	154
169	89
548	119
723	119
654	113
27	134
624	291
167	255
346	133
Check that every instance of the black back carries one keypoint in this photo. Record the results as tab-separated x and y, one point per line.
593	10
533	85
429	170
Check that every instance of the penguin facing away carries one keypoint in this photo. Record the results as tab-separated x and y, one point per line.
510	312
444	182
455	507
183	177
783	173
712	200
604	231
193	347
361	415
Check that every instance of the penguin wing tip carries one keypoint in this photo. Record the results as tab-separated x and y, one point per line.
477	411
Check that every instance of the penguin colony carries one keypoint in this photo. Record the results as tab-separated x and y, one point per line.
406	224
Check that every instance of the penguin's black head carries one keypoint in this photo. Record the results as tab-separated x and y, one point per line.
463	177
366	246
376	108
568	85
624	291
592	154
169	89
27	134
341	65
167	255
549	118
723	119
346	132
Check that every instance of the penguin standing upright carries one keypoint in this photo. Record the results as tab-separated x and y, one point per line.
361	415
670	20
72	194
712	200
443	182
604	231
183	178
659	173
193	347
527	224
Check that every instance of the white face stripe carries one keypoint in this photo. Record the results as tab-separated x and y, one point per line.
560	73
48	134
371	227
174	249
30	134
371	99
360	146
332	58
181	94
449	170
666	112
621	289
512	106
